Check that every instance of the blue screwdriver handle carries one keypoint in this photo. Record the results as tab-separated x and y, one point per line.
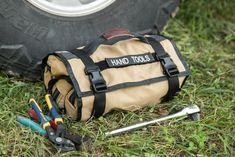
44	122
52	108
35	127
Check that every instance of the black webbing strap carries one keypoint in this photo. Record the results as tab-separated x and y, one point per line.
54	80
169	67
104	39
55	94
97	82
65	57
103	65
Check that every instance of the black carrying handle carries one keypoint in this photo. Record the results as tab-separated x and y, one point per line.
117	33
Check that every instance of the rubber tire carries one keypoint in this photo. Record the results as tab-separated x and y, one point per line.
28	34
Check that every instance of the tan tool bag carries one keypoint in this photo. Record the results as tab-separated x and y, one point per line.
117	71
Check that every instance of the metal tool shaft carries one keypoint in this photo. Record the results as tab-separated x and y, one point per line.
186	111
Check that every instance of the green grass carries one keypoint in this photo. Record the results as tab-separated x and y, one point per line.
205	33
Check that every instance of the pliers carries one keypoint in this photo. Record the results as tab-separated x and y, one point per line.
60	137
61	128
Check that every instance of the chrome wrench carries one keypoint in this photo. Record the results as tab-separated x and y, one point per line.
192	112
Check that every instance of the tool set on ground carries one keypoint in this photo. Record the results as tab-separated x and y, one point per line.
119	70
57	133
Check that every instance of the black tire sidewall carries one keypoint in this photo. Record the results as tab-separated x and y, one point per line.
41	33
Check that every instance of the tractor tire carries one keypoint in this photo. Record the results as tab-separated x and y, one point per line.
28	33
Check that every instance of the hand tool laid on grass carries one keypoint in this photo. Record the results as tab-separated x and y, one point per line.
61	130
61	143
33	115
35	127
190	111
77	140
53	128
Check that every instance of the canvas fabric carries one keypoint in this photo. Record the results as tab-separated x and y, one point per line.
132	92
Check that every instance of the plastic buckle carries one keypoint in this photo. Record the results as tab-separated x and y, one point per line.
97	81
169	67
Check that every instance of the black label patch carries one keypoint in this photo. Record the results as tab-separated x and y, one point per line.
130	60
